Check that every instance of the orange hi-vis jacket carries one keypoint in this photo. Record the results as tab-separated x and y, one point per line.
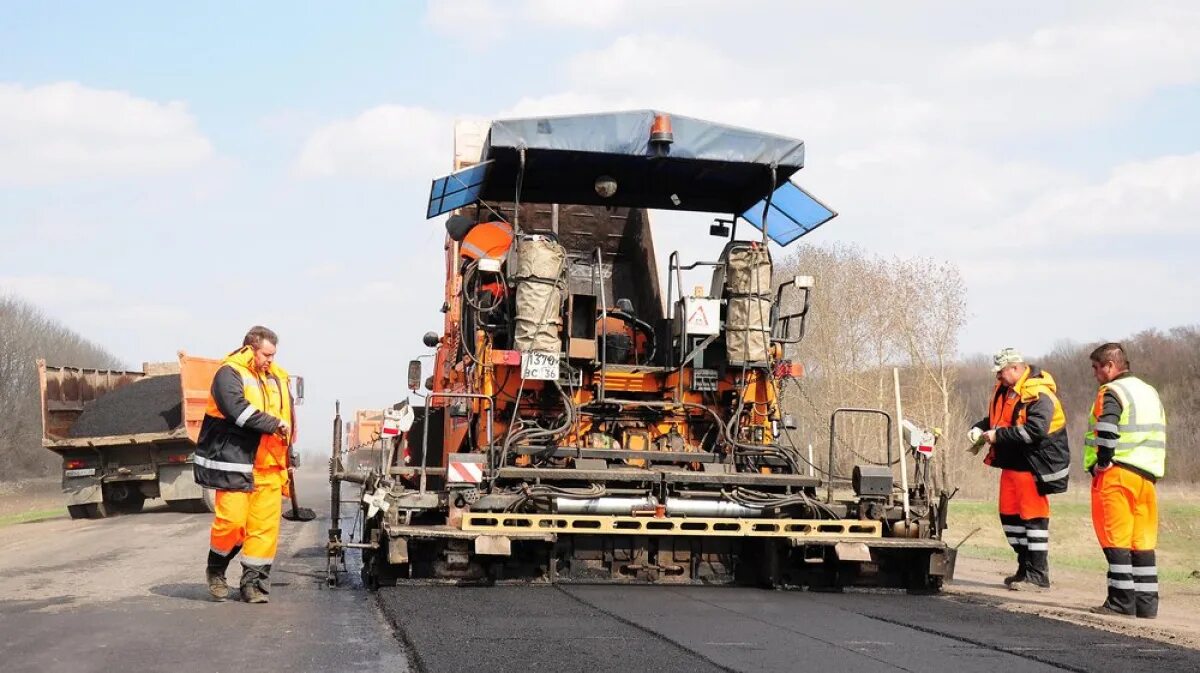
1031	430
237	436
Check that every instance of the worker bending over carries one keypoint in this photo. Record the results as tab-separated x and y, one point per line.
1027	438
243	453
1126	451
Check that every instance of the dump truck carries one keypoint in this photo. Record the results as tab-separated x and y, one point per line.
126	436
581	425
364	442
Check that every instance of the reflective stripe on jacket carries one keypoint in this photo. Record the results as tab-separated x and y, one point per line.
237	435
1140	431
1031	430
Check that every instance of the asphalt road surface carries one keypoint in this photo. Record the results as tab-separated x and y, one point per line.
127	593
597	629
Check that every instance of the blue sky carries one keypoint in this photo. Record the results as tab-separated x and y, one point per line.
170	175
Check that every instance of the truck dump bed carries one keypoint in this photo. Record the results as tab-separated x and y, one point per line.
85	407
126	436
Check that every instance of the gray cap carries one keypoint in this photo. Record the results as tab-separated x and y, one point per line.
1006	357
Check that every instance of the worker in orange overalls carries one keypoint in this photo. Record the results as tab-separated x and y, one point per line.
243	452
1026	430
1125	450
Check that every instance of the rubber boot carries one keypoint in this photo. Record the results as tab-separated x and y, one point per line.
255	584
1037	556
214	573
1121	598
1145	583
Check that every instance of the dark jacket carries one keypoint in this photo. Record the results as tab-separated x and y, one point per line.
1031	430
230	433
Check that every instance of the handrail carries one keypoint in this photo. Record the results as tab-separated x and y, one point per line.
425	428
833	437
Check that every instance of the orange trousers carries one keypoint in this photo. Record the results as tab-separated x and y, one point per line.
250	520
1019	496
1124	510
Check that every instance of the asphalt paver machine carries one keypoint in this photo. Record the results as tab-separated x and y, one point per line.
577	427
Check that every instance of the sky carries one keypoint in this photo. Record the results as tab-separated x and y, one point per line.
171	174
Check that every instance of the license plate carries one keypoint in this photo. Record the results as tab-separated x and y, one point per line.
82	472
539	366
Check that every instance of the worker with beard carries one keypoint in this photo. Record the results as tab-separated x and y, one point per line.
243	453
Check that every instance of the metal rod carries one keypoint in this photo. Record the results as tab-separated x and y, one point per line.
603	323
335	469
900	436
357	545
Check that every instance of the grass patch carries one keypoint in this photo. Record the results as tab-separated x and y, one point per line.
1072	540
33	515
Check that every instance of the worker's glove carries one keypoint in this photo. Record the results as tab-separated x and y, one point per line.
975	435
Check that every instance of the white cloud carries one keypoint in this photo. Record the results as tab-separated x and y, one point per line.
1159	196
464	18
581	13
51	290
1074	73
64	131
388	141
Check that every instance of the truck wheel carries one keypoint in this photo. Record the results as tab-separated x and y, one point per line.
188	506
132	504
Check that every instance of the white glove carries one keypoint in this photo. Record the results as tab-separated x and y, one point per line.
976	437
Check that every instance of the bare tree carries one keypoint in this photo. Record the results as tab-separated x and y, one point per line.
869	314
26	334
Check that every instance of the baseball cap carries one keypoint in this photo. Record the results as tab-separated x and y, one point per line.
1004	358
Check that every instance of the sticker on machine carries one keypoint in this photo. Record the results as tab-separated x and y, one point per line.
468	473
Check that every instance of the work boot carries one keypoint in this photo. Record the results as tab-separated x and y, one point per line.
214	573
1106	609
1022	570
255	585
1029	586
218	588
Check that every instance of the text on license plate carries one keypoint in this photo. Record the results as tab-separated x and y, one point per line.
539	365
81	472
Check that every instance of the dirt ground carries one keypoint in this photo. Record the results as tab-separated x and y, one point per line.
1073	593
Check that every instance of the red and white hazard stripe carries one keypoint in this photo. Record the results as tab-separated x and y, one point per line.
465	473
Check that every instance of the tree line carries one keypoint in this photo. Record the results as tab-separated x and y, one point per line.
27	334
869	314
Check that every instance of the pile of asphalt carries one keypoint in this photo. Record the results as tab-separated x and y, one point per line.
153	404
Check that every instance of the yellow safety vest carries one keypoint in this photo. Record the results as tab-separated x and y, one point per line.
1142	427
267	392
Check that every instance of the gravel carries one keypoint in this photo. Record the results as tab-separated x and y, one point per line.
154	404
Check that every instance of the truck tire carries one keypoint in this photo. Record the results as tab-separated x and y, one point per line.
130	505
124	498
202	505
